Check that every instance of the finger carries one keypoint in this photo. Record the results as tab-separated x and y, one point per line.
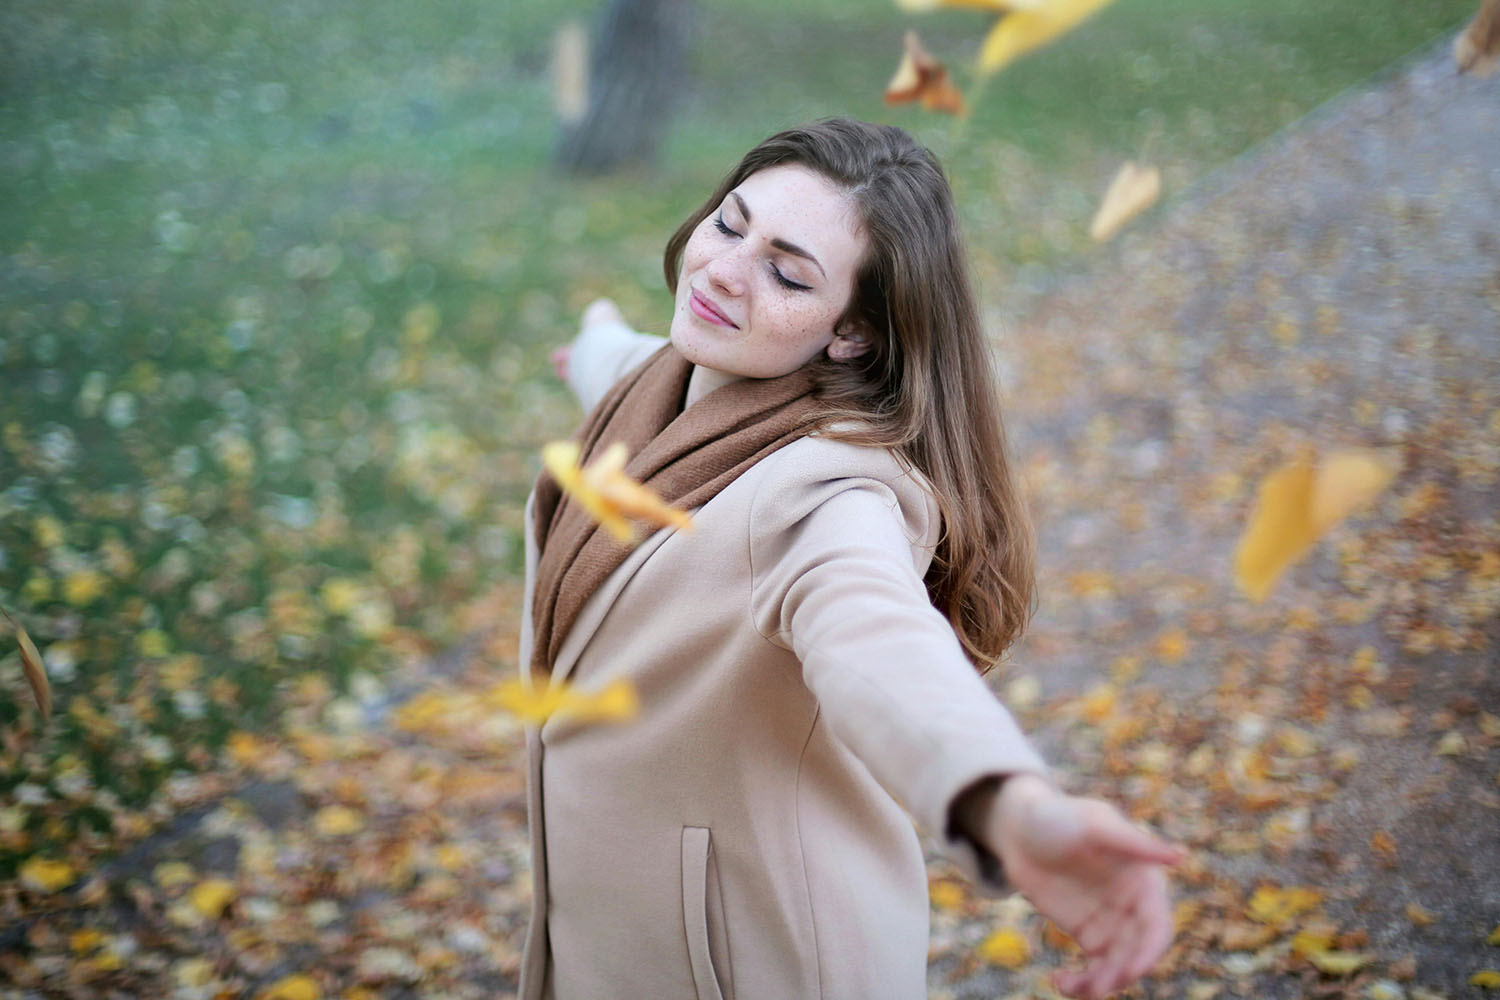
1120	835
1156	917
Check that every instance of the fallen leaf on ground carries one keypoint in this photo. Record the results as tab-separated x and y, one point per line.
1005	947
608	495
919	77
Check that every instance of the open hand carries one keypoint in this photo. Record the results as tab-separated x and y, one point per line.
1097	875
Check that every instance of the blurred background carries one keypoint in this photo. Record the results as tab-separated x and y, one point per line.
278	282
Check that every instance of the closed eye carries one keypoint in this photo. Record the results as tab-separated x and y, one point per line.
780	278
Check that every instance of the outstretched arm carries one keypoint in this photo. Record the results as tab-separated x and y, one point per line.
604	350
1098	876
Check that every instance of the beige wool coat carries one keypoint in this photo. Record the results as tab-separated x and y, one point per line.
749	835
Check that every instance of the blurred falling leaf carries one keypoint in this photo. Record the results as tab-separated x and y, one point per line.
1030	28
994	6
1299	502
1134	189
920	77
1477	49
31	665
1006	948
606	493
537	701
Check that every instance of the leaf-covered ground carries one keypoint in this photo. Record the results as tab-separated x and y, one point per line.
1331	756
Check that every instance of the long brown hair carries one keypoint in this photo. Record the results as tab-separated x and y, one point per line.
926	388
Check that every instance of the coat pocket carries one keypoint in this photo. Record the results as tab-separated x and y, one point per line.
703	915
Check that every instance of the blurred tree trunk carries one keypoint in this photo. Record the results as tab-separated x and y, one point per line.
636	71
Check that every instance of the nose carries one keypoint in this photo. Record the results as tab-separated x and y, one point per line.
726	270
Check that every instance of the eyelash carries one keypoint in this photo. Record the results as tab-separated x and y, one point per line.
783	279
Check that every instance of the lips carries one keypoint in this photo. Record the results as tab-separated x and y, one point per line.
705	309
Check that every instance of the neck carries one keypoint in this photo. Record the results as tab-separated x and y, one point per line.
704	381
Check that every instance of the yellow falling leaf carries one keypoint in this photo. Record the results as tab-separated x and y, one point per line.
211	896
992	6
1134	189
31	666
919	77
537	701
1477	49
45	875
293	987
1026	29
1006	947
1486	979
608	495
337	821
1297	504
1339	963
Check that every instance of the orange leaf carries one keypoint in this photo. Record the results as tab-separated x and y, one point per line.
31	666
1297	504
1134	189
919	77
1477	50
608	495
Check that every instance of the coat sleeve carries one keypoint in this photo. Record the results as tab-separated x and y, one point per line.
602	353
837	572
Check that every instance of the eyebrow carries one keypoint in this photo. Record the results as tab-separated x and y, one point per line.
778	243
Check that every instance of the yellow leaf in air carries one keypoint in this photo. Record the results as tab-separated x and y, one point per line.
919	77
1134	189
1031	28
337	821
1477	50
46	875
1006	947
1299	502
1272	905
537	701
211	896
993	6
31	666
1338	963
294	987
607	493
1486	979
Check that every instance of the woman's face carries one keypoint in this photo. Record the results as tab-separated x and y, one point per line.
767	274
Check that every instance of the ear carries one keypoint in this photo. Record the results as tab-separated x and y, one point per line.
850	341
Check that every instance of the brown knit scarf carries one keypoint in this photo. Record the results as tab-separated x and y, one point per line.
687	457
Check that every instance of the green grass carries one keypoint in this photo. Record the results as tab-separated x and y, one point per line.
279	281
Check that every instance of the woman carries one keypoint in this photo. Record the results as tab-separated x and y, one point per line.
805	657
